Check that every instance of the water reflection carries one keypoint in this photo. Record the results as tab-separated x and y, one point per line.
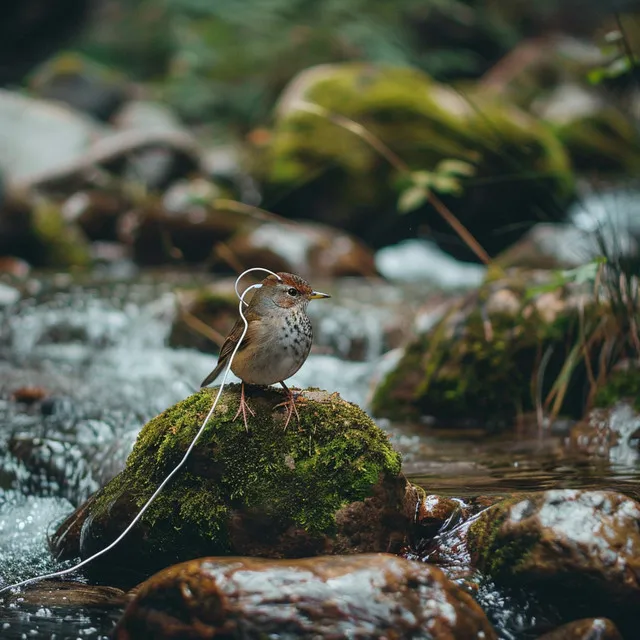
470	464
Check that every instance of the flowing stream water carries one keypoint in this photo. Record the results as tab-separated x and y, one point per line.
99	352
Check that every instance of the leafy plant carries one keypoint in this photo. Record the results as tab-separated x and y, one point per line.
445	178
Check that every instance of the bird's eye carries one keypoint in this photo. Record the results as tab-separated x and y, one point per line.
292	292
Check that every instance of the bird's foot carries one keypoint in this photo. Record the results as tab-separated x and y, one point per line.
290	405
243	408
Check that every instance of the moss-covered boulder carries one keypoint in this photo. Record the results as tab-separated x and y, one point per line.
316	169
34	227
577	549
328	485
481	362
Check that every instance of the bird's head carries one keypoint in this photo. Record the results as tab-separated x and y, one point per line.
287	291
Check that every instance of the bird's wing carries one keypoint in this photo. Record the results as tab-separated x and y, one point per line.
227	349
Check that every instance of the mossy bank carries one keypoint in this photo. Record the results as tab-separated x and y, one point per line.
329	484
494	354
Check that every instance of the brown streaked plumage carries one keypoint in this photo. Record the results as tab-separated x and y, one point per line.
278	338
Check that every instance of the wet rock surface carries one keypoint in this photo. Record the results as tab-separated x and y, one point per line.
582	547
51	593
367	596
588	629
328	485
612	434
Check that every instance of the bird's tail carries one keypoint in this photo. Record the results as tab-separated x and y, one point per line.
213	375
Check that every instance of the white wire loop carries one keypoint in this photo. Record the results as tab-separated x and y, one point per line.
156	493
255	286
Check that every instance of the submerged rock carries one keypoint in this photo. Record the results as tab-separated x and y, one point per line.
329	485
367	596
587	629
577	549
50	593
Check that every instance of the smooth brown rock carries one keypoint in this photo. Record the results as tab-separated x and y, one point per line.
366	596
436	511
51	593
312	250
587	629
158	236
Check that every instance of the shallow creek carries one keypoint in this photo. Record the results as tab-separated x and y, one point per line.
98	352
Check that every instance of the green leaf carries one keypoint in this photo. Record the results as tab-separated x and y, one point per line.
447	184
455	167
412	198
422	178
584	273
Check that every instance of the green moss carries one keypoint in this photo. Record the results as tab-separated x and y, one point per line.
426	122
490	551
623	384
300	476
519	162
479	365
62	244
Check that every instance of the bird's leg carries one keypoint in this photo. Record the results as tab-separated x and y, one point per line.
243	408
290	404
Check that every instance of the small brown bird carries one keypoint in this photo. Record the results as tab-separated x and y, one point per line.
278	338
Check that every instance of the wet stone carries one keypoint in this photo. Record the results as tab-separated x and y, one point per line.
579	549
587	629
312	250
437	512
51	593
365	596
613	434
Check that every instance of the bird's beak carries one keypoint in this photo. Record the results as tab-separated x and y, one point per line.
316	295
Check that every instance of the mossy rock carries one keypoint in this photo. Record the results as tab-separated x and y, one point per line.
479	364
320	170
330	484
575	549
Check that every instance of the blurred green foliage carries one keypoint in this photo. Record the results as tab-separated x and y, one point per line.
229	59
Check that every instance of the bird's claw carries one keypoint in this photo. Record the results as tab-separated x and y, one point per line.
242	409
290	404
